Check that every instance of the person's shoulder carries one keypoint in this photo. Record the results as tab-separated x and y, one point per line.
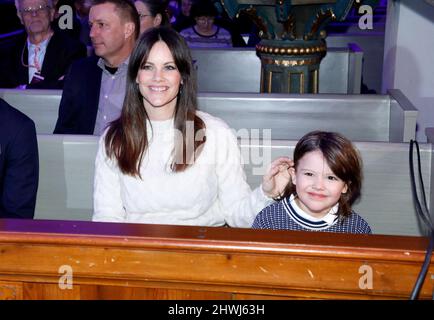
270	217
354	216
273	209
84	67
12	118
103	136
86	63
12	114
359	223
223	31
212	122
186	31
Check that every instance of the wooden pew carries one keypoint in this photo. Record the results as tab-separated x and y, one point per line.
67	170
126	261
389	118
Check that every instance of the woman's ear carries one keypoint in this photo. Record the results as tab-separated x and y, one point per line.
157	20
293	177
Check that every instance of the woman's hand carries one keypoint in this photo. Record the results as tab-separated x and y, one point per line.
277	177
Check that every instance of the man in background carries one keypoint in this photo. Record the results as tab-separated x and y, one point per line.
40	58
95	87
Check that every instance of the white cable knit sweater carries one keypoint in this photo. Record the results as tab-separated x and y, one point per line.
209	193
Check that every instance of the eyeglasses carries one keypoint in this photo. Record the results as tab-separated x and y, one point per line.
205	19
37	10
141	15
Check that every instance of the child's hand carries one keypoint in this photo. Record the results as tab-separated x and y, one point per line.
277	177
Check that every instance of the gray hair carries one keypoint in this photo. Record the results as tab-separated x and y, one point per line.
18	2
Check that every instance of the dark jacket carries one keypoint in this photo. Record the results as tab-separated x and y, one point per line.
61	52
19	164
80	97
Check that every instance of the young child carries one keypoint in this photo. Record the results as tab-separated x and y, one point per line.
325	181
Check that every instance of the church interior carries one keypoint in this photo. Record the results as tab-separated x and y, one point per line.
363	68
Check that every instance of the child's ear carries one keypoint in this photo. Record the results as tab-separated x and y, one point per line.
345	189
293	177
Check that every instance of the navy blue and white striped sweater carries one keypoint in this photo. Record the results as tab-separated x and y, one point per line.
283	216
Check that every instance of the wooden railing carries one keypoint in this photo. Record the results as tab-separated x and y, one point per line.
38	260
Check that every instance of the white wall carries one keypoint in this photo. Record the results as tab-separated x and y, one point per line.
409	56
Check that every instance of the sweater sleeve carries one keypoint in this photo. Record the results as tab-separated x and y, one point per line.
107	201
238	203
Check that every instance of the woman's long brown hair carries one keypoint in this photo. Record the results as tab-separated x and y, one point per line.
126	139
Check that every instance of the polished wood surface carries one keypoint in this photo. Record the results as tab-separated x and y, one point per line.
131	261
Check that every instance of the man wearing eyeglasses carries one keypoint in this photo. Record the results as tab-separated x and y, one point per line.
95	87
40	58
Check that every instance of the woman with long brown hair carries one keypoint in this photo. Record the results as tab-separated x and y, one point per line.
165	162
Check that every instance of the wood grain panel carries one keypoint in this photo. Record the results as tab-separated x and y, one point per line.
49	291
133	293
121	261
11	290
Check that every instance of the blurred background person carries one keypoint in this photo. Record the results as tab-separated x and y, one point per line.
152	13
82	8
172	9
182	17
205	33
